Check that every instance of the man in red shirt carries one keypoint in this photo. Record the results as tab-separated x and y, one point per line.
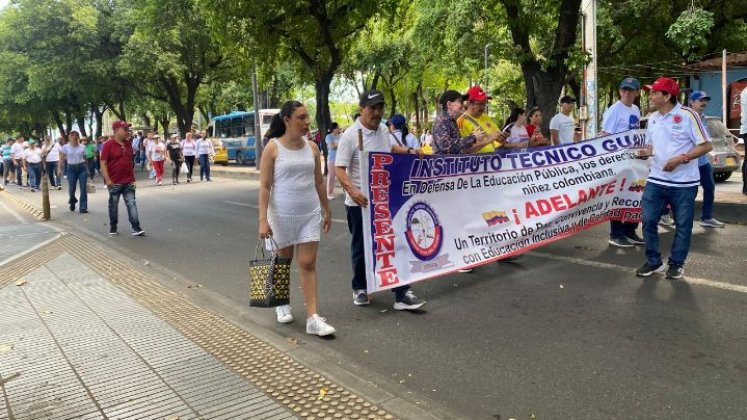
118	170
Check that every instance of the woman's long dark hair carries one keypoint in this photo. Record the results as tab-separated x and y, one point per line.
514	116
277	126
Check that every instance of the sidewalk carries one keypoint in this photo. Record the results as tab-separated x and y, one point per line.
87	333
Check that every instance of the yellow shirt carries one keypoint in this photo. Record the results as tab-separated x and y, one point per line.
468	123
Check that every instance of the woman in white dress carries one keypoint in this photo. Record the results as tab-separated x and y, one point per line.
293	205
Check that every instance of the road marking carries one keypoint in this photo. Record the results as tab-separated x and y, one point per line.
691	280
254	206
13	213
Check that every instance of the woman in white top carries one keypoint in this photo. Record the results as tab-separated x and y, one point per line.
51	155
157	157
293	205
204	149
74	154
32	161
516	126
189	150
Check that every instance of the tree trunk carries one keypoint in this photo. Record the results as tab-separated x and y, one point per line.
323	117
155	125
544	89
415	99
122	112
146	119
393	104
69	122
375	81
204	113
165	126
98	114
60	125
81	121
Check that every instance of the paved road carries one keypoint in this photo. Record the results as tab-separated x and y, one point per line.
566	332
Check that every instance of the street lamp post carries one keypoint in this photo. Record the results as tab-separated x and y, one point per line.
485	76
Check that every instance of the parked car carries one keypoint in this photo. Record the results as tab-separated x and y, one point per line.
724	157
221	153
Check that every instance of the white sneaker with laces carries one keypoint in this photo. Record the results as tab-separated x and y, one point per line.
666	220
284	314
317	325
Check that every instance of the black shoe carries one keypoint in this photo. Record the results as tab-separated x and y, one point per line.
621	242
83	211
72	206
675	272
647	269
635	239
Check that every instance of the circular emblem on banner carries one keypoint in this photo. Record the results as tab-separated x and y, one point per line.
677	118
424	233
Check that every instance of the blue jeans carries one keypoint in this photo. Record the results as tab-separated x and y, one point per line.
54	177
34	174
620	230
128	191
77	175
709	190
19	172
205	168
682	200
357	254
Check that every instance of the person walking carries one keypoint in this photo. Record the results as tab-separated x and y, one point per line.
189	151
74	155
698	101
7	156
51	155
622	116
677	138
118	171
331	141
348	164
205	151
32	161
176	157
90	146
157	157
562	125
293	206
16	151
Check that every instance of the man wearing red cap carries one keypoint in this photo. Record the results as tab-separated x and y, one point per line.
118	170
677	138
477	118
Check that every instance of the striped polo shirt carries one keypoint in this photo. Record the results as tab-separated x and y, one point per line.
674	134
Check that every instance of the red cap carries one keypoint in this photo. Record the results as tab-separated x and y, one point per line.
666	85
120	124
476	94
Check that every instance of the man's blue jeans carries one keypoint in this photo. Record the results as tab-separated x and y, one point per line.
77	175
128	191
34	174
682	201
54	177
358	255
709	190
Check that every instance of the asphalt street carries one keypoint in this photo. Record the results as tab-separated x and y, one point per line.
567	331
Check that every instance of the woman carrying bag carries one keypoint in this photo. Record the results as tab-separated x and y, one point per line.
293	205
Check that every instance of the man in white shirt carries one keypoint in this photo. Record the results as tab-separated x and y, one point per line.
623	115
677	138
743	134
16	152
562	125
376	138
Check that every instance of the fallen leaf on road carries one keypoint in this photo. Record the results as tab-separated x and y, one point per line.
48	312
21	282
455	285
292	340
383	310
561	286
193	286
4	348
365	351
322	393
401	381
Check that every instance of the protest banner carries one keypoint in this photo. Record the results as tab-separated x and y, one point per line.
434	215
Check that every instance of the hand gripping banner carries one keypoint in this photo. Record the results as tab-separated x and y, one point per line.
431	216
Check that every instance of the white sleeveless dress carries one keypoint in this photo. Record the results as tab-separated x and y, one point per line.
294	212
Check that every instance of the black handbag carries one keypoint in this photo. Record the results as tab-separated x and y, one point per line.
269	278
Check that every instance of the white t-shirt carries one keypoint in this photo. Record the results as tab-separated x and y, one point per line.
74	155
743	103
189	148
518	134
157	151
348	155
16	151
565	125
32	155
619	118
204	147
675	134
53	155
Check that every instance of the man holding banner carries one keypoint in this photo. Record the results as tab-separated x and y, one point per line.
677	139
348	171
622	116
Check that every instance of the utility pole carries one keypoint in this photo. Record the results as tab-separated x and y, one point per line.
590	109
258	146
485	76
725	100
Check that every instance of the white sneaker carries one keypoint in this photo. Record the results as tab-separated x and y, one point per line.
666	220
464	270
284	314
317	325
712	223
